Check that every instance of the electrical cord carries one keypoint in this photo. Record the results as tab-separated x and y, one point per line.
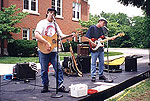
25	81
16	82
20	82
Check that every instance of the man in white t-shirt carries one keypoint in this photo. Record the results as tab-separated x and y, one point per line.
47	27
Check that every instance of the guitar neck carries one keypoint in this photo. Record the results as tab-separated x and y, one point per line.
71	35
104	40
119	35
67	36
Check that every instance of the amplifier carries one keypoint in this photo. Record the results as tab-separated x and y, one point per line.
84	63
22	71
67	62
83	49
130	64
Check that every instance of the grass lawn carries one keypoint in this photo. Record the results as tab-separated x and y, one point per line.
140	92
14	60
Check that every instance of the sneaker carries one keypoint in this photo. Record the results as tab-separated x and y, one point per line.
63	89
45	89
93	79
102	77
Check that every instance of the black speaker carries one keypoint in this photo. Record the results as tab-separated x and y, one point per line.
66	62
22	71
84	63
130	64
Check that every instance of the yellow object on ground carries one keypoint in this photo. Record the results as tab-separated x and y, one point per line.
117	61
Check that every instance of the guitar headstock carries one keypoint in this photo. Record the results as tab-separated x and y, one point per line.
121	34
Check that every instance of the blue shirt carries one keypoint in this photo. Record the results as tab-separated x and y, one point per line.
95	32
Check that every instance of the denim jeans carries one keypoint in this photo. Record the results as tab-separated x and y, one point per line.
94	56
44	60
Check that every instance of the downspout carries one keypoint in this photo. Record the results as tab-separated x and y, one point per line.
1	42
2	4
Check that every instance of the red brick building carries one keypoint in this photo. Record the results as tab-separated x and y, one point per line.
69	12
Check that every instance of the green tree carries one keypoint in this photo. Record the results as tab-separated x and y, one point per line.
139	31
8	18
116	23
144	4
136	29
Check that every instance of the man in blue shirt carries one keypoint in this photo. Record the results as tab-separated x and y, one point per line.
95	32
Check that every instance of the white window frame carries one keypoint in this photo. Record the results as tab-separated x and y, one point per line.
56	5
73	38
29	9
33	34
77	8
79	38
27	34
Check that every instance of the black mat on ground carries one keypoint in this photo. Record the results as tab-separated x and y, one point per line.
13	90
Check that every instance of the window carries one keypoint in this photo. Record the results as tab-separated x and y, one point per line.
30	6
25	34
73	38
33	34
33	5
57	5
79	38
76	13
26	4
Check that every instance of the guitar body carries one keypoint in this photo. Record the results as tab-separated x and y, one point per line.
97	42
52	40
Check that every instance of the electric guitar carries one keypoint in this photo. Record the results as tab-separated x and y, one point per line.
99	42
52	40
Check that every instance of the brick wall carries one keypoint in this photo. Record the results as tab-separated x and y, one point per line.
66	23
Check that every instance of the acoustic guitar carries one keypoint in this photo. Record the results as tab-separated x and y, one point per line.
52	40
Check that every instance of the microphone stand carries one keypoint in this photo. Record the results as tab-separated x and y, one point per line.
56	95
109	79
149	52
0	87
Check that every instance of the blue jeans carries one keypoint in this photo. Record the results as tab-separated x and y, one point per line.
44	60
94	56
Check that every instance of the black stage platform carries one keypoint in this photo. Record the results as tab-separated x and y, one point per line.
22	91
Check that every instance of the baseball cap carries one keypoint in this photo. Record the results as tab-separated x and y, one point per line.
103	19
51	9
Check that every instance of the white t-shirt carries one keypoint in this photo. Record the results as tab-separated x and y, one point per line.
44	27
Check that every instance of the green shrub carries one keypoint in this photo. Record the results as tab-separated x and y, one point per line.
67	46
126	44
22	48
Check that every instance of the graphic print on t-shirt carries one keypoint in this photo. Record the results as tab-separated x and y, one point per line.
50	31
